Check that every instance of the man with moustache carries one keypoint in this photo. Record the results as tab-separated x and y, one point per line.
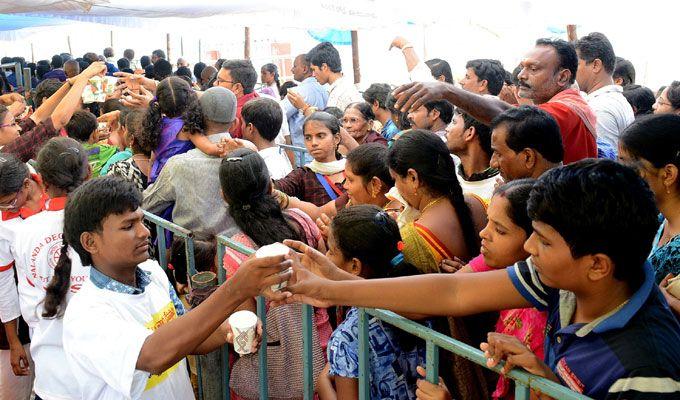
547	76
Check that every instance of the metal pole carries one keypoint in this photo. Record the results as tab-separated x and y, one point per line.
112	38
181	45
355	57
200	51
68	40
32	53
246	44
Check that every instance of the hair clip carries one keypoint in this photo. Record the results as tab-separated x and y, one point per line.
400	245
234	159
398	259
246	207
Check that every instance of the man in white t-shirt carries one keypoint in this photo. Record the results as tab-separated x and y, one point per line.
126	334
470	140
327	69
596	61
262	120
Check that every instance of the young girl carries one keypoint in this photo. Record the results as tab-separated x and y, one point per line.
246	187
321	180
367	181
174	124
137	168
63	166
271	86
21	195
365	241
503	240
358	120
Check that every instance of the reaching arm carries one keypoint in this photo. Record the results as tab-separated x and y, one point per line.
175	340
482	108
68	105
431	294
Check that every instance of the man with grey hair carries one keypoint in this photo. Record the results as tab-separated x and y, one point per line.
190	182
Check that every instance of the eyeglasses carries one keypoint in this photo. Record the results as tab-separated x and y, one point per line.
12	204
219	81
9	125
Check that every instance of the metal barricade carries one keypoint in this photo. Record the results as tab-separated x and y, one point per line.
18	75
301	151
434	340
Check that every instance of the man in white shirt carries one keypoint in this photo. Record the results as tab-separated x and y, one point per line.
126	334
261	119
596	61
327	69
189	182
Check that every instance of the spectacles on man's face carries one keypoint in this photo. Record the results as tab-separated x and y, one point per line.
13	124
219	81
661	102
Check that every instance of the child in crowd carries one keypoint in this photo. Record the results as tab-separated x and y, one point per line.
246	187
261	119
21	195
364	241
125	332
321	180
136	168
503	240
174	124
36	246
609	333
83	127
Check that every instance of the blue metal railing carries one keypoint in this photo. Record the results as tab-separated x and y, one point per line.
301	152
434	340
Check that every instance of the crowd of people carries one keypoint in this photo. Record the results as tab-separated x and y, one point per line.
533	213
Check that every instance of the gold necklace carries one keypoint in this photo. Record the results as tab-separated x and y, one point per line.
430	204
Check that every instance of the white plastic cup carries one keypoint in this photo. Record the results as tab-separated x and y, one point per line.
272	250
243	325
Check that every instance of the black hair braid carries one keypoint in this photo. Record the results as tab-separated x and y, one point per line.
59	285
152	126
457	198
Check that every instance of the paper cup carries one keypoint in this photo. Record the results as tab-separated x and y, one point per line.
243	325
272	250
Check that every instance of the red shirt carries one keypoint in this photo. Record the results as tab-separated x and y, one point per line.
577	140
236	127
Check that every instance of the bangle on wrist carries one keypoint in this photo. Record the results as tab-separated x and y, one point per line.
408	46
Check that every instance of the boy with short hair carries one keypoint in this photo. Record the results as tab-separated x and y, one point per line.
610	333
262	120
125	332
83	127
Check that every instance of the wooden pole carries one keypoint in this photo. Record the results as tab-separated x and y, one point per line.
32	53
200	51
111	38
181	45
167	45
571	33
246	44
68	40
355	57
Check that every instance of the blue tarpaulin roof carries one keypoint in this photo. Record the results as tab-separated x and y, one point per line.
10	22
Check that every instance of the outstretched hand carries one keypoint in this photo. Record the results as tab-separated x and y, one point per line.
413	95
255	277
500	347
137	100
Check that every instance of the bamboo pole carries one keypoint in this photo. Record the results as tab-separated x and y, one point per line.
68	40
181	45
32	53
200	51
246	44
167	45
355	57
111	38
571	33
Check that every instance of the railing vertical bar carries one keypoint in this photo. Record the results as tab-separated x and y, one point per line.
364	369
308	366
264	378
432	362
199	375
191	260
221	277
522	392
162	249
